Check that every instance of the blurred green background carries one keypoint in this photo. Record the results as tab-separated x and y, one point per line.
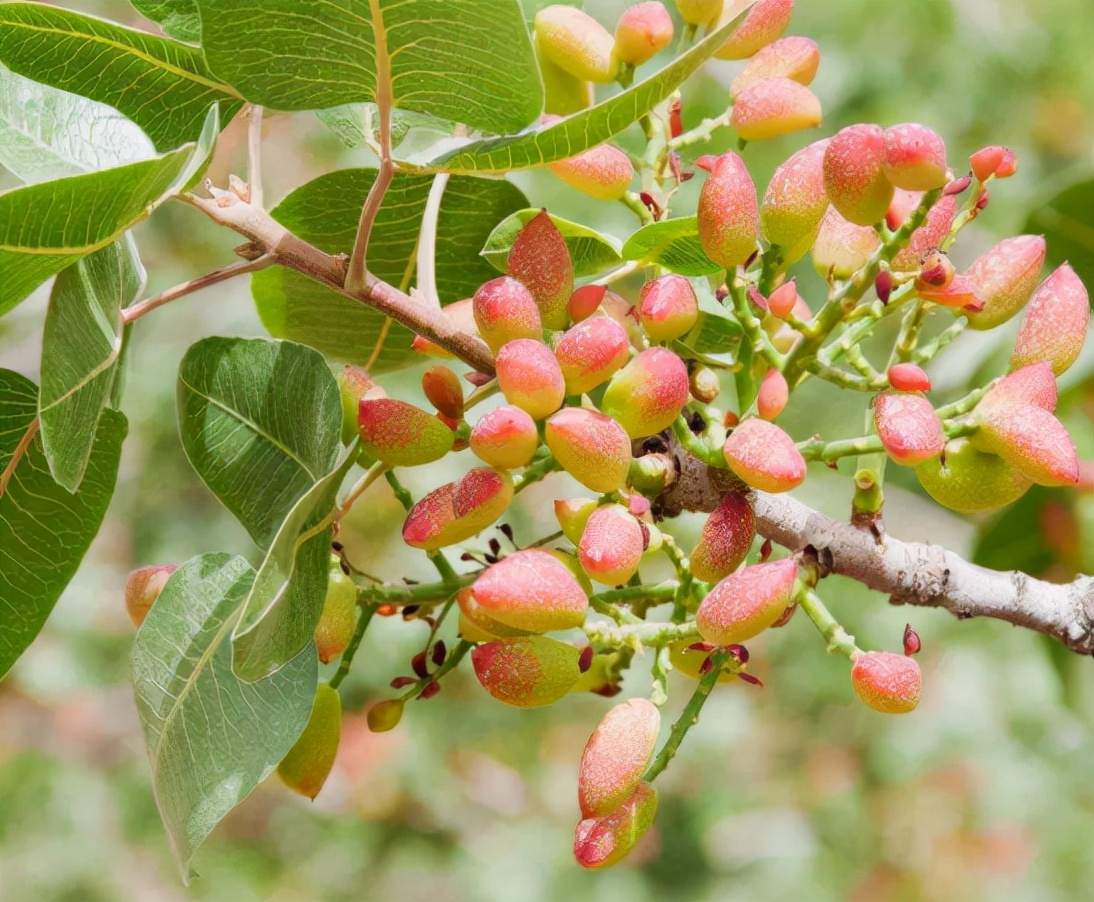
791	792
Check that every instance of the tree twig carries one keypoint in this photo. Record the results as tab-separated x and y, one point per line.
131	313
254	155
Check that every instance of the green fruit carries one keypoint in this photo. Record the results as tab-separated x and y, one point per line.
339	618
970	480
306	767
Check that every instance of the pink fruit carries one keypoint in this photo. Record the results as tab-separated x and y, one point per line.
600	842
584	301
603	172
354	383
728	215
505	438
526	671
909	428
530	378
1004	278
887	682
772	395
794	57
443	390
143	587
531	590
400	434
1033	384
854	176
505	310
1031	440
641	32
1055	323
611	545
540	260
590	352
928	236
591	447
842	248
774	107
725	539
915	157
648	393
616	756
668	307
795	201
764	23
458	510
993	160
747	602
783	300
908	377
764	457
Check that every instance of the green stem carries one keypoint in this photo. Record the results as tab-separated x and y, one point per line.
642	633
691	443
633	202
836	637
407	595
402	494
704	131
367	613
757	337
450	663
689	717
933	348
535	471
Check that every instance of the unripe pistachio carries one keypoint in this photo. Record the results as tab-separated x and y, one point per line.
725	539
530	378
795	58
443	390
591	447
764	457
590	352
563	93
339	617
1005	277
616	756
611	545
143	587
993	160
526	671
772	395
747	602
887	682
385	715
531	590
354	383
458	510
505	310
931	234
783	299
400	434
689	661
668	307
584	301
603	172
774	107
1033	384
703	383
795	201
1031	440
901	206
572	515
641	32
908	377
966	480
540	260
478	626
915	157
764	23
699	12
1055	323
576	42
842	248
908	427
648	393
854	176
728	216
308	764
505	438
600	842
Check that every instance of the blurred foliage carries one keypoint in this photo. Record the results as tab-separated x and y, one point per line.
790	792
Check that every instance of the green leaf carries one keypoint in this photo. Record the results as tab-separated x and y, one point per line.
46	227
81	342
325	212
591	251
162	85
348	123
717	331
673	244
1067	222
261	422
44	530
470	61
567	137
49	134
283	607
178	18
211	738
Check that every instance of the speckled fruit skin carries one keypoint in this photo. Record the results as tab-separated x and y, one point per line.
339	617
1004	278
966	480
794	57
354	383
504	437
1055	323
530	378
642	31
766	20
616	756
611	545
887	682
795	201
841	248
915	157
601	842
668	307
308	764
648	393
774	107
1033	384
458	510
909	428
853	174
1031	440
526	671
444	390
603	172
747	602
591	447
591	352
576	42
929	235
728	215
531	590
725	539
764	457
400	434
505	310
540	260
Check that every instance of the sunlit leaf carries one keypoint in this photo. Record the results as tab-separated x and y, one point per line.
673	244
178	18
